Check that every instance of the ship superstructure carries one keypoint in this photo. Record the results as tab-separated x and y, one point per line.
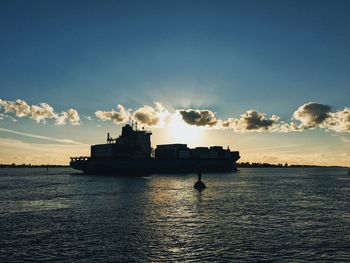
131	153
131	144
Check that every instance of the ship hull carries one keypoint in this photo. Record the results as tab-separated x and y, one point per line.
152	166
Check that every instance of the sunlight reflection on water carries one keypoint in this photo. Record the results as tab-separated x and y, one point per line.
256	214
32	205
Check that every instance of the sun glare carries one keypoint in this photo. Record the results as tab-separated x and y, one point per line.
180	132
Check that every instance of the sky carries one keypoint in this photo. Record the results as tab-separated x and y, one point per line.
267	78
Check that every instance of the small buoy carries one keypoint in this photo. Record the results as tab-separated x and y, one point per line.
199	185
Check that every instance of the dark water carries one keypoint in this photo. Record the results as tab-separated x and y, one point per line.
254	215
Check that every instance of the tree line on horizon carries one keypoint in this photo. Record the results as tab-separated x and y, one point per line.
239	165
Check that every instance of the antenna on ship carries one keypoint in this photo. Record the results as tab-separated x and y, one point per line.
135	125
109	139
132	124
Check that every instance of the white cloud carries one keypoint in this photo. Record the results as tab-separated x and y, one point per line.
19	107
146	115
61	119
151	116
312	114
40	112
338	121
121	116
308	116
252	121
199	117
73	117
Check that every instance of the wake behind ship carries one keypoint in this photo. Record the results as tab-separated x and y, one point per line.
131	153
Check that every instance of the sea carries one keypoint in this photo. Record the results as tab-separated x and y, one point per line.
256	214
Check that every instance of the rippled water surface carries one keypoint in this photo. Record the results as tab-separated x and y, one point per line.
255	214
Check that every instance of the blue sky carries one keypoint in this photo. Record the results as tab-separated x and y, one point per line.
225	56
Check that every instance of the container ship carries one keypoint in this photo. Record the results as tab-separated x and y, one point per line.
131	153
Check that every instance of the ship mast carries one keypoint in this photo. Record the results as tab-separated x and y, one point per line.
109	138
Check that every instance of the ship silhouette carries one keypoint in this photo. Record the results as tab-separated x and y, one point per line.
131	153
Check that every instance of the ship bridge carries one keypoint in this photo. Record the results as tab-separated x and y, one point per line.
132	143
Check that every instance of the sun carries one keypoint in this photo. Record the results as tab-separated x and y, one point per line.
181	132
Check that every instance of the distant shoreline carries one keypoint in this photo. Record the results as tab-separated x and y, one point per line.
32	166
268	165
239	165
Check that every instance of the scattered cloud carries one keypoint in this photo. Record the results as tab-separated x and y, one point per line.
121	116
42	112
252	121
151	116
61	119
146	115
20	107
199	117
312	114
308	116
70	115
39	113
73	117
338	121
